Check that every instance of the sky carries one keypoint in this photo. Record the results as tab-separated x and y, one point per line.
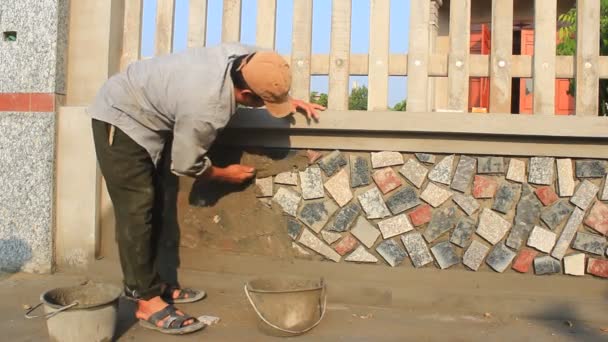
399	28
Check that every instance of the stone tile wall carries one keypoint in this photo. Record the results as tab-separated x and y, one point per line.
26	191
36	61
539	215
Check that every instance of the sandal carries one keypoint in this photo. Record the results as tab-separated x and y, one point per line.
184	296
174	323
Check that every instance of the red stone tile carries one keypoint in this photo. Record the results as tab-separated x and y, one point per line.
484	187
598	267
387	180
421	215
41	102
598	218
14	102
346	245
546	195
313	156
523	262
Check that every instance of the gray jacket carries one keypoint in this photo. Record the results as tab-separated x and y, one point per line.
188	94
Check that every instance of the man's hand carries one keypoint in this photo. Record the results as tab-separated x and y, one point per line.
310	109
234	174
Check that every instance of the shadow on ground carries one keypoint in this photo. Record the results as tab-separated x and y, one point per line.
564	319
14	254
126	317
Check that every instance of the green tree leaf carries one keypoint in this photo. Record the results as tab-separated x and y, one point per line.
358	98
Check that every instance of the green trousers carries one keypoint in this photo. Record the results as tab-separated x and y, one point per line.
144	198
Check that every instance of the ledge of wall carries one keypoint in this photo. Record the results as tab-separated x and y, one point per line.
496	134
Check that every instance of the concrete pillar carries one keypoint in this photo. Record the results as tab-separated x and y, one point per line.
33	38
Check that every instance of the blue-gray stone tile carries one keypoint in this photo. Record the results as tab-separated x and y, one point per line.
590	243
506	196
554	215
464	174
445	254
546	265
500	258
417	249
288	199
359	171
391	252
27	143
490	165
344	218
294	228
590	168
426	158
441	222
316	214
402	200
527	215
518	235
332	162
461	236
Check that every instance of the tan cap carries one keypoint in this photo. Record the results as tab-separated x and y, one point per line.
268	75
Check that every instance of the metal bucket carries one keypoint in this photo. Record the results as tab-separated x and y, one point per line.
80	313
287	307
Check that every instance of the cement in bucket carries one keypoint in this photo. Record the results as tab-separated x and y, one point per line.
287	307
80	313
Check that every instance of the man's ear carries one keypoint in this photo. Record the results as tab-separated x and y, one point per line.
247	92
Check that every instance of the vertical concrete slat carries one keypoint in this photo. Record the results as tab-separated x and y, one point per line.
131	39
301	49
165	16
501	51
587	57
339	55
77	197
379	27
266	24
545	18
94	48
458	60
418	57
197	23
95	52
231	21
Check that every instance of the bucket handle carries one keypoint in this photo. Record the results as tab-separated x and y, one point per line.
49	315
323	309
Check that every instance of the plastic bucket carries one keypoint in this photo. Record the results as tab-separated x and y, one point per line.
287	307
80	313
